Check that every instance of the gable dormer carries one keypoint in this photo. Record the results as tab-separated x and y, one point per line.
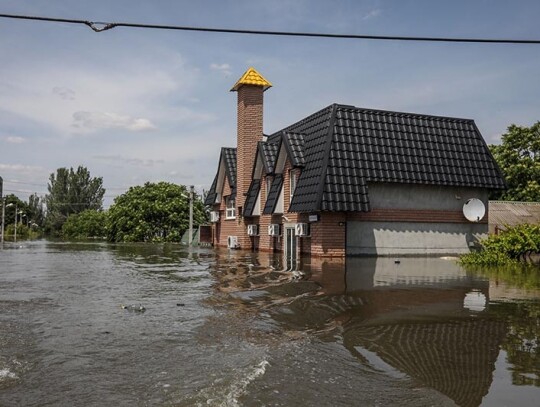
265	159
291	148
225	180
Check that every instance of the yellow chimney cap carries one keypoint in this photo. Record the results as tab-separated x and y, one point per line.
251	77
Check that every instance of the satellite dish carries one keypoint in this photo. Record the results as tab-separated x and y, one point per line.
474	210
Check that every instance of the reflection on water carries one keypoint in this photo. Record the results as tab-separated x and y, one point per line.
232	328
424	318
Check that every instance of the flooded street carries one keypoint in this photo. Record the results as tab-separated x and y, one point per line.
220	328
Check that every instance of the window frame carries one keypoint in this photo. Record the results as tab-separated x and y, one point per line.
269	181
293	183
230	208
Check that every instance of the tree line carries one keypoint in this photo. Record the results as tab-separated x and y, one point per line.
73	209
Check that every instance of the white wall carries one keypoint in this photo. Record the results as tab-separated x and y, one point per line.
411	196
416	238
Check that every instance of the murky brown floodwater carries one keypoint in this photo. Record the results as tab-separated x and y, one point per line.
232	328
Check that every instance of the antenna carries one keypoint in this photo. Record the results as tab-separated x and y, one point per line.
474	210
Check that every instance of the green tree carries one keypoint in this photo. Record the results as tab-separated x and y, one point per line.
13	201
71	192
24	219
154	212
518	157
36	214
87	224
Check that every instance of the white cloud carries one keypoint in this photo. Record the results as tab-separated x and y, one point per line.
21	168
132	91
14	139
64	93
105	120
223	68
372	14
138	162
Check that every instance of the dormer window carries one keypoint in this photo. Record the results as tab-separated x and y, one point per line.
268	185
230	213
293	176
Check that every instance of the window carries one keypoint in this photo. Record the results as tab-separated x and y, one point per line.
268	185
231	208
293	176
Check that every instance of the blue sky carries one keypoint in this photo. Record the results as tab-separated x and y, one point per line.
138	105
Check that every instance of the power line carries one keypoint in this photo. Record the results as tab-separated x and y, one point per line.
40	185
104	26
22	183
45	193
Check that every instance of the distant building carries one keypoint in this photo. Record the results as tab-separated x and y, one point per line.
508	213
349	181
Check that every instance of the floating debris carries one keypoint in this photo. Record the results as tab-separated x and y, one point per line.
133	308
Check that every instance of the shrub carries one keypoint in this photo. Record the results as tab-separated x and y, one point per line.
508	247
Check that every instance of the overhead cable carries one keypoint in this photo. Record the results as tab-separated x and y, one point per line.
104	26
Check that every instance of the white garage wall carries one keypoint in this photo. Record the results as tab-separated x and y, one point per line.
412	238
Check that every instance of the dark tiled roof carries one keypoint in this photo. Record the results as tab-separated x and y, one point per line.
316	129
294	143
251	198
456	357
273	195
343	148
346	147
228	155
268	151
212	194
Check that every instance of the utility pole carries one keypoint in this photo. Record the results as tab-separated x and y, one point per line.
190	238
16	215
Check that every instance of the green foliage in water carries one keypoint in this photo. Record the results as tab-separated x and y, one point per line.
521	342
87	224
154	212
23	232
516	274
506	248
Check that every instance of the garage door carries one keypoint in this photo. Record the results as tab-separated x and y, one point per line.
412	238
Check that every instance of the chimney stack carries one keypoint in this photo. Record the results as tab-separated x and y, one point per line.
250	88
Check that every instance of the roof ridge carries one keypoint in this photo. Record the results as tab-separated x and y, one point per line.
395	112
326	157
304	120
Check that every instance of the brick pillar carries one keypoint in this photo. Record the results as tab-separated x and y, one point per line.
250	88
249	133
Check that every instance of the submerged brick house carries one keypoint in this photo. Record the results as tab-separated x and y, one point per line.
348	180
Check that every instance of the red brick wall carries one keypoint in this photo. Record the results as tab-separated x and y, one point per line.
328	235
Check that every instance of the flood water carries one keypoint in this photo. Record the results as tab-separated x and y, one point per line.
224	328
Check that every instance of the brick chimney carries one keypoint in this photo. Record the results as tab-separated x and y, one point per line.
250	88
